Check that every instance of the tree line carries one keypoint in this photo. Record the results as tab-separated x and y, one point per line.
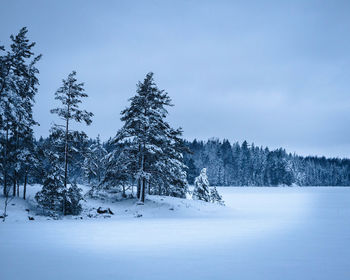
249	165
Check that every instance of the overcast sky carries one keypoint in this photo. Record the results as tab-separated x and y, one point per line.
275	73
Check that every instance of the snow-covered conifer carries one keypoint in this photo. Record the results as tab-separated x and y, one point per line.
70	95
55	197
149	138
18	86
201	187
73	198
215	197
52	195
94	162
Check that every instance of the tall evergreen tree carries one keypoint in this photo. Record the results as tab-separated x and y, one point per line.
149	136
70	95
18	86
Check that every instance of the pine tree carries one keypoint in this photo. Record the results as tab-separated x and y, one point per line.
55	197
170	169
149	137
201	187
73	198
120	169
94	162
18	86
215	197
70	94
53	193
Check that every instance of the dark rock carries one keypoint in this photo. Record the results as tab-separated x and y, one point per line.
104	211
31	218
101	211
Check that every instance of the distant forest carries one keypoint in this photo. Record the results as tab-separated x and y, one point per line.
248	165
231	164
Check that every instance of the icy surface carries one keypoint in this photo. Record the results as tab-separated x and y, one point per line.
263	233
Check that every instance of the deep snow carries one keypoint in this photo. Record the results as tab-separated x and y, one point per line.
263	233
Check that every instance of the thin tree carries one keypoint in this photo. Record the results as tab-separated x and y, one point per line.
70	95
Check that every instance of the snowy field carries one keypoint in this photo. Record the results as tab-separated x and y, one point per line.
263	233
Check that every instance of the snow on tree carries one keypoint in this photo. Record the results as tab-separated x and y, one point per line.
55	197
94	162
148	136
18	86
171	167
203	192
73	198
120	169
201	187
57	194
70	95
52	195
215	197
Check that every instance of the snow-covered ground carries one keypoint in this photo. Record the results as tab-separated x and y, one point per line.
263	233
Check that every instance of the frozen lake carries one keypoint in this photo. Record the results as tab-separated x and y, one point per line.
269	233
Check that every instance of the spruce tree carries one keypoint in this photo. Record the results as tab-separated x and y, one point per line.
150	138
53	193
120	169
201	187
54	197
94	162
215	197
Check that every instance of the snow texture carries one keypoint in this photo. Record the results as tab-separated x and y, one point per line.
262	233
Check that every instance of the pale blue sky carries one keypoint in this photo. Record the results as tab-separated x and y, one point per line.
275	73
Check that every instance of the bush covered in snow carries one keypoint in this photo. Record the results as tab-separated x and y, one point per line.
202	192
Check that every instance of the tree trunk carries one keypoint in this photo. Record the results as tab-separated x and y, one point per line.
138	188
123	191
14	186
64	205
5	165
5	184
142	194
142	189
66	155
25	186
17	188
149	188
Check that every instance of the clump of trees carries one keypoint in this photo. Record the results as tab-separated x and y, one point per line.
146	151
